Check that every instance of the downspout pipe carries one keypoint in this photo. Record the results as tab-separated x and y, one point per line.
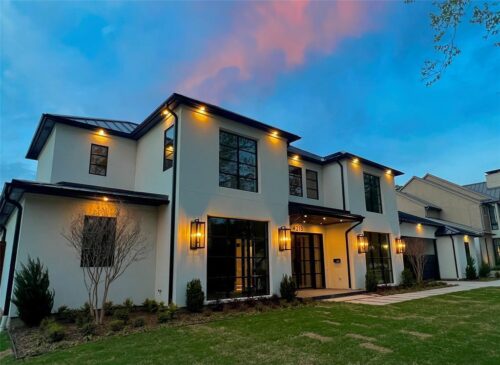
2	243
454	256
173	202
347	250
342	180
13	257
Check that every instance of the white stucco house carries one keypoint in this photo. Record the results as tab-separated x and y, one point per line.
262	207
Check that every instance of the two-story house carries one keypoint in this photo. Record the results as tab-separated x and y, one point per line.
458	219
222	197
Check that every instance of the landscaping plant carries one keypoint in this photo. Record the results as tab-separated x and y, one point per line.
116	325
66	315
407	279
371	282
32	296
484	270
122	314
415	253
194	296
288	288
138	322
470	270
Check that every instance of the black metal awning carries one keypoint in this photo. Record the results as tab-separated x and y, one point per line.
313	214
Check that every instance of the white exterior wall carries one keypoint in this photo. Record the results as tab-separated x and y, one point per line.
200	196
71	158
41	238
9	239
46	159
386	222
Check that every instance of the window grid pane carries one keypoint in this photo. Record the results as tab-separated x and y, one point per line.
237	162
295	180
98	160
168	148
373	198
98	242
312	184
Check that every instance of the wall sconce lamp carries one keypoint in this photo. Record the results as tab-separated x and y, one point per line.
400	245
197	234
362	243
284	238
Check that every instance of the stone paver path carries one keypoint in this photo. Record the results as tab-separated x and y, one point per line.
375	299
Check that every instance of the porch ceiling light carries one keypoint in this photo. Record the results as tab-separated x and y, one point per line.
101	132
400	245
362	243
197	234
285	239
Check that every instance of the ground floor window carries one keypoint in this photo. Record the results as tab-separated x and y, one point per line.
496	248
378	257
307	260
237	258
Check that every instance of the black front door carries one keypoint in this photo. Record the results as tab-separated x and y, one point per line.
307	260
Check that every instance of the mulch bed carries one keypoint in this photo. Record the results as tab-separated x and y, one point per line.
391	290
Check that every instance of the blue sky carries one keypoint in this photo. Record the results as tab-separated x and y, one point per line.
344	76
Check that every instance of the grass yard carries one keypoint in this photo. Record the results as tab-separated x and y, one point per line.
458	328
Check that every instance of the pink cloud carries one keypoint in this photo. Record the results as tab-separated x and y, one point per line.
272	38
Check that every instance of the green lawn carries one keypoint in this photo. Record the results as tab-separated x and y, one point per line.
459	328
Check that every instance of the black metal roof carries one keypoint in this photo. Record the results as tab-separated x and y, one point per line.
492	171
444	228
309	211
410	218
17	188
482	188
337	156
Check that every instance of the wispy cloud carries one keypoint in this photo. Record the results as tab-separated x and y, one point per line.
272	38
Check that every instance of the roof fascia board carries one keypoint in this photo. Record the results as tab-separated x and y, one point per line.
454	186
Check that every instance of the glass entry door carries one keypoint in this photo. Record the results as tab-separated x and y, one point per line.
307	260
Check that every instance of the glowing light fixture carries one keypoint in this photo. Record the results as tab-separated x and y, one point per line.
285	239
105	198
101	132
362	243
202	109
388	171
355	160
197	234
466	239
296	157
274	133
165	112
400	245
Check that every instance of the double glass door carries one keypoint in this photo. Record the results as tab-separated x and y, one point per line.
307	260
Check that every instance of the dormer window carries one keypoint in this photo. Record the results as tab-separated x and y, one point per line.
98	160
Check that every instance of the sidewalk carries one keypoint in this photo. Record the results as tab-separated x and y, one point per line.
375	299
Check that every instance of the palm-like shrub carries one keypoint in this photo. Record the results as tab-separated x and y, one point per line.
32	296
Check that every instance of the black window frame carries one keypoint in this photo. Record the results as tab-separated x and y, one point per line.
88	243
92	154
310	189
493	216
298	177
168	158
238	150
222	237
381	266
496	251
373	194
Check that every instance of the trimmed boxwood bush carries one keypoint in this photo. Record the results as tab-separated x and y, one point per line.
54	332
407	279
288	288
150	305
194	296
138	322
121	314
89	329
32	296
371	282
164	317
117	325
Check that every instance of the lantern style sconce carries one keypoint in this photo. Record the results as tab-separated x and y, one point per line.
197	234
362	243
400	245
285	239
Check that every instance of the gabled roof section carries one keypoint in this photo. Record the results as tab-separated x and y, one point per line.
47	121
482	188
444	228
417	200
177	99
337	156
410	218
452	186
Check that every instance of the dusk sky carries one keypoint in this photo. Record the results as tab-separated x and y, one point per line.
344	76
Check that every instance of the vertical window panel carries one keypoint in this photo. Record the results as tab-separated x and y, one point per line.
312	184
168	148
373	197
98	160
295	180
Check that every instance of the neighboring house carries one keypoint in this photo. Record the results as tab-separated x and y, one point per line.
457	213
269	209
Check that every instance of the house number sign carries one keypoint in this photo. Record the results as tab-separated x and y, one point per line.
297	228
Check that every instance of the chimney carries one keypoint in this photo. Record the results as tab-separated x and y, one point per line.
493	179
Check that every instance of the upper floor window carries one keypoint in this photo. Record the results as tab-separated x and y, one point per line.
493	216
295	180
98	160
168	148
372	193
98	241
237	162
312	184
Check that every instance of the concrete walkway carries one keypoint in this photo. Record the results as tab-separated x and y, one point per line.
375	299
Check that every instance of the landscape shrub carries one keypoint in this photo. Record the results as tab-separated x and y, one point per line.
108	308
484	270
470	270
164	317
150	305
32	296
139	322
407	279
173	309
54	332
371	282
218	305
116	325
88	329
288	288
497	274
194	296
129	304
66	315
122	314
83	317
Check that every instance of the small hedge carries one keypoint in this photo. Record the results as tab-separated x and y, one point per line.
288	288
122	314
371	282
139	322
53	331
194	296
407	279
484	270
117	325
88	329
470	270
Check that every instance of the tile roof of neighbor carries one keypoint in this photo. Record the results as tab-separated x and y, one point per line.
493	193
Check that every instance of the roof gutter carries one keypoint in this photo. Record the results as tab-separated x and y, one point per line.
173	205
13	257
347	250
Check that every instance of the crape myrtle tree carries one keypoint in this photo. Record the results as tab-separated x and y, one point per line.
415	253
106	240
445	21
